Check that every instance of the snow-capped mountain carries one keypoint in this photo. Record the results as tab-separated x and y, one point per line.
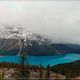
10	41
19	32
35	44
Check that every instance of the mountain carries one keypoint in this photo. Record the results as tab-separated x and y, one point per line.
35	44
70	70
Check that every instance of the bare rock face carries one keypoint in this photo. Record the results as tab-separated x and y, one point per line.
11	38
35	44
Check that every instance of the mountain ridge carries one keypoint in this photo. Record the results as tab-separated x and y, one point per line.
36	45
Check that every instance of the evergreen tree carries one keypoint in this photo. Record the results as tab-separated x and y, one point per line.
48	72
41	71
27	72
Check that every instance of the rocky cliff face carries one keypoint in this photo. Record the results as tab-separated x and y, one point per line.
35	44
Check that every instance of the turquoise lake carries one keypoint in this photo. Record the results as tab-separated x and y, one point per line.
44	60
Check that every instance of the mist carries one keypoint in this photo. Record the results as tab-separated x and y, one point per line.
58	20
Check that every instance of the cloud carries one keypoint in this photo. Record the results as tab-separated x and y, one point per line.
59	20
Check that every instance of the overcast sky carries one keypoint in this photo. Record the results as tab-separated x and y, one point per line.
59	20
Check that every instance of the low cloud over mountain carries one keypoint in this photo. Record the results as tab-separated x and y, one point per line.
34	44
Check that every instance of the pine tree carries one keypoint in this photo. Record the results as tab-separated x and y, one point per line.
48	72
41	71
27	72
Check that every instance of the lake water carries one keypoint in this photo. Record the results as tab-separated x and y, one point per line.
44	60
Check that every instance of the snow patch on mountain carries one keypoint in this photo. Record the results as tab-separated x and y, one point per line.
12	32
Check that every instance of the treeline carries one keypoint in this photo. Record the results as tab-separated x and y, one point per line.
70	70
9	65
27	69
